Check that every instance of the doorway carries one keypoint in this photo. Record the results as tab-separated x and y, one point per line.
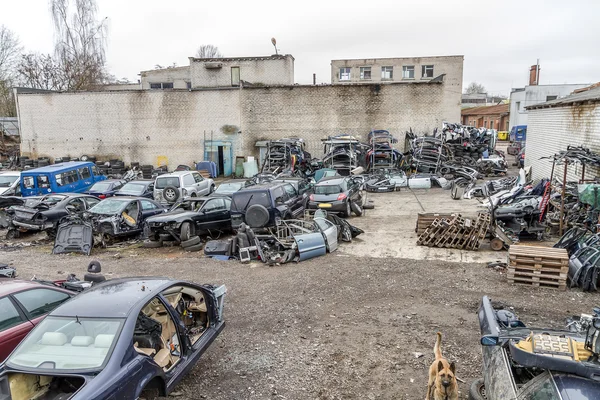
221	161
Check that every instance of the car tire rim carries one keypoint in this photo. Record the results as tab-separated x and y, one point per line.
170	194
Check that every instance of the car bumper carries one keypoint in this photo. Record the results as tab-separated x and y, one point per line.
32	226
333	206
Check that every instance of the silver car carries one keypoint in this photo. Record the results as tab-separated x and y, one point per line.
179	185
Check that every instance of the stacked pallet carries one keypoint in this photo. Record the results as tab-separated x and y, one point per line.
424	220
456	232
538	266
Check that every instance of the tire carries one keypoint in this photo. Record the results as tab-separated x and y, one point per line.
169	243
152	244
170	194
12	234
358	211
165	237
257	216
193	195
196	247
191	242
477	390
212	189
96	278
187	231
348	211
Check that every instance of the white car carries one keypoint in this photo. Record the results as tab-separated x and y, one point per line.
10	183
178	185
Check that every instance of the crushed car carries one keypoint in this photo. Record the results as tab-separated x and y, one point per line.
526	363
125	338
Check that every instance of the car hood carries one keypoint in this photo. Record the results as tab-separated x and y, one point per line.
173	216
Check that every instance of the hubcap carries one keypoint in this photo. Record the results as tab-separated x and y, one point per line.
169	194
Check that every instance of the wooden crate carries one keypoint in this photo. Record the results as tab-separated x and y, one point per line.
425	219
538	266
205	173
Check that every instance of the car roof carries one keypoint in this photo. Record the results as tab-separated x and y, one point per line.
54	168
11	285
261	187
333	179
11	173
234	181
175	173
110	181
115	298
142	181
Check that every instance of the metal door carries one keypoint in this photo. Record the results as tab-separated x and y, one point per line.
227	159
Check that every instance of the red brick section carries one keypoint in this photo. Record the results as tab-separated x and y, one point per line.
491	117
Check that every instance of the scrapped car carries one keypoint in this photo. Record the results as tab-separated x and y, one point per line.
302	186
106	188
531	363
122	339
122	216
584	267
231	186
23	304
9	183
177	185
192	217
338	194
139	188
261	206
45	213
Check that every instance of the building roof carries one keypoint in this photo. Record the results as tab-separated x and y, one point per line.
396	58
487	110
591	95
256	58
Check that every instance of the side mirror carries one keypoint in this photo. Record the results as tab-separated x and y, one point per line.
489	340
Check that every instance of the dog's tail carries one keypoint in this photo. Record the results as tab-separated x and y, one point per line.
437	349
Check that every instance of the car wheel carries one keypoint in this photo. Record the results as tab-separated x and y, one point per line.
257	216
193	195
212	189
152	244
196	247
348	211
149	394
191	242
477	390
187	231
358	211
171	194
12	234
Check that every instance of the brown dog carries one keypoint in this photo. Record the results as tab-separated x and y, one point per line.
442	381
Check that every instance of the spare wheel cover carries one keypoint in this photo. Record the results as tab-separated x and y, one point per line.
257	216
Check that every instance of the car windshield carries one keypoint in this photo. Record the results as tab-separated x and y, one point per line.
7	180
100	187
194	205
68	343
134	188
242	200
109	206
163	182
229	187
328	189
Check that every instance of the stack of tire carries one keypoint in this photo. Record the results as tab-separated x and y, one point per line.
102	167
117	168
147	171
25	162
189	240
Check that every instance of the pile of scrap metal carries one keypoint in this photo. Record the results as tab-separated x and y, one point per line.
344	153
291	240
284	154
381	154
583	247
456	232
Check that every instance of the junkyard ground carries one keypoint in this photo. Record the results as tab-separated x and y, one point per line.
359	323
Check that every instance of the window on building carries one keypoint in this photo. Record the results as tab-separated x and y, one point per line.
344	74
162	85
188	85
365	73
548	98
518	105
235	76
427	71
387	72
408	72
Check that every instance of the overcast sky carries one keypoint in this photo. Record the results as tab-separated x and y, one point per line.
499	39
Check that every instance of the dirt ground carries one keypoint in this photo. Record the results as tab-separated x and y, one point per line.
356	324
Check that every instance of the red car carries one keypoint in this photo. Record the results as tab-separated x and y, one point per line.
22	305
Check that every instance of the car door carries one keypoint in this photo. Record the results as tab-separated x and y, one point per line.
90	202
330	232
149	209
201	183
294	201
13	326
214	214
149	192
37	303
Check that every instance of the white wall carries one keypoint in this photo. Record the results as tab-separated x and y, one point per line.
179	76
551	130
534	95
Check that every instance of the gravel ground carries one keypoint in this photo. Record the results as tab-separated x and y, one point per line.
335	327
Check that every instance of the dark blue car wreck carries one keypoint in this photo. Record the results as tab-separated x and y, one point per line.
123	339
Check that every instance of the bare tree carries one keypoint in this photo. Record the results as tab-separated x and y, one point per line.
80	44
42	71
10	50
208	51
474	88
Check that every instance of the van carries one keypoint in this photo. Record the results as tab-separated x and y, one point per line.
9	183
67	177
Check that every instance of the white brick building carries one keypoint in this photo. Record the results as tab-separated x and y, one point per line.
554	125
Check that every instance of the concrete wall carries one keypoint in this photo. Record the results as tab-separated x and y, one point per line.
149	126
534	95
179	76
273	70
551	130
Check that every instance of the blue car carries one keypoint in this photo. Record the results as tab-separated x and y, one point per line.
122	339
106	188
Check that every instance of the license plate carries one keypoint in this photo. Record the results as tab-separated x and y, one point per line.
324	205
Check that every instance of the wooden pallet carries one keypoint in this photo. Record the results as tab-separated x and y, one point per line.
425	219
205	173
538	266
456	232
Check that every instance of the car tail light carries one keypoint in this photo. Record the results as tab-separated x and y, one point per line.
342	196
312	197
102	196
184	192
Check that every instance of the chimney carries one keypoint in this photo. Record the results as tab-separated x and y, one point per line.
534	75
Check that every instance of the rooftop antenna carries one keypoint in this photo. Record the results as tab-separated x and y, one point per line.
274	45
